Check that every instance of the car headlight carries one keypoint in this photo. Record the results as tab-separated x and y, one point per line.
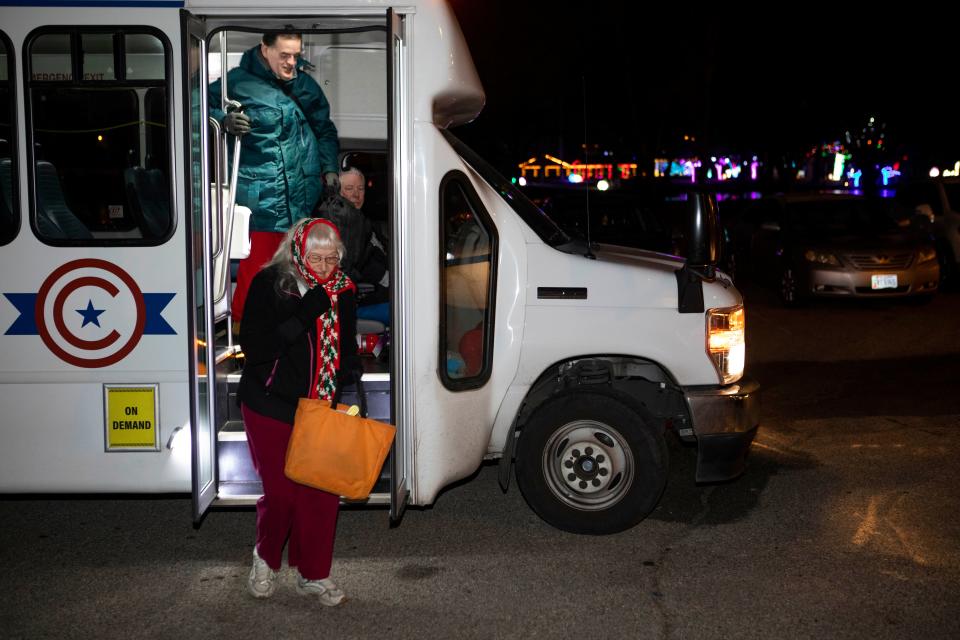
821	257
927	254
726	341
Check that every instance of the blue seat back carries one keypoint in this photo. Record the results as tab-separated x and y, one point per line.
54	218
150	199
7	217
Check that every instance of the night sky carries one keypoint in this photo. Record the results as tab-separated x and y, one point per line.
652	76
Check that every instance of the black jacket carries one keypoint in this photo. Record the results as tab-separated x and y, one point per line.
363	261
279	349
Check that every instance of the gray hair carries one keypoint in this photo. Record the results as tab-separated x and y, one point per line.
321	236
354	171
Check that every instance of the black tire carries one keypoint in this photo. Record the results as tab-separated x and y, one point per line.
588	462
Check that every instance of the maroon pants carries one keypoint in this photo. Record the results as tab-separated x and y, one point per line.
307	515
263	244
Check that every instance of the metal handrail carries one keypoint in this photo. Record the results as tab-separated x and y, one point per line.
227	209
217	179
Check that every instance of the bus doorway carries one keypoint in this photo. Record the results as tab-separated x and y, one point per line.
349	58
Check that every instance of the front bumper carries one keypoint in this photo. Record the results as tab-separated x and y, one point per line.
920	279
725	420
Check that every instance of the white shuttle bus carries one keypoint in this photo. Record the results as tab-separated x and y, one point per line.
510	339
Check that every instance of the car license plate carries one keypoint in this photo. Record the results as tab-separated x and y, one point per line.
883	281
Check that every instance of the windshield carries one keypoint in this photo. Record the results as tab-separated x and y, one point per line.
536	219
642	219
833	218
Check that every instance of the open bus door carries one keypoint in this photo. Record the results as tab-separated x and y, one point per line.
200	278
397	142
222	468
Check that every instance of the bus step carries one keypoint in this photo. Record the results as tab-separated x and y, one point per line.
239	493
232	430
234	461
246	495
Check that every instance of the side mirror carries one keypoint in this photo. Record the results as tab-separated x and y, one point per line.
703	253
704	235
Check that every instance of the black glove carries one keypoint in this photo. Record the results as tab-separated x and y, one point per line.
312	304
331	184
236	123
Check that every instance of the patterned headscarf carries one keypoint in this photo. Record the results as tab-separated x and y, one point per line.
328	324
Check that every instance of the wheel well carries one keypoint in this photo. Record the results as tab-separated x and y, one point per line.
642	384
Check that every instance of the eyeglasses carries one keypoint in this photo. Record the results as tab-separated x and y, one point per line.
316	261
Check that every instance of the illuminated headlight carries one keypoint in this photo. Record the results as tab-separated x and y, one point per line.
821	257
726	342
927	254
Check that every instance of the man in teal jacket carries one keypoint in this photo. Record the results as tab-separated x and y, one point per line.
289	145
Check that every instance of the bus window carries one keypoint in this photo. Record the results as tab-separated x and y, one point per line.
98	56
9	207
468	273
99	137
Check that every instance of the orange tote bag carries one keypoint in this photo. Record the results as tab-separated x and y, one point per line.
336	452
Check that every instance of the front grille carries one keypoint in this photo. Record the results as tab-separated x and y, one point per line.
867	290
875	261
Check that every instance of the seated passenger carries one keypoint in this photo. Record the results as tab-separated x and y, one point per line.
366	261
353	187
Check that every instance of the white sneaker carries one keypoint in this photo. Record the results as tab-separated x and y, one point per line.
326	590
263	580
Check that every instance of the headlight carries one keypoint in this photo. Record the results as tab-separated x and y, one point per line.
726	342
821	257
927	254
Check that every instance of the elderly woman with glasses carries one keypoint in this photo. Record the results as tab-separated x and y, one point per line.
298	336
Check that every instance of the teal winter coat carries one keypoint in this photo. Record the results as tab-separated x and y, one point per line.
289	147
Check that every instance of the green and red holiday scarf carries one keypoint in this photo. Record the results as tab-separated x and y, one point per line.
328	324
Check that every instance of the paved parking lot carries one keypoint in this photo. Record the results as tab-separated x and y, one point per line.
844	526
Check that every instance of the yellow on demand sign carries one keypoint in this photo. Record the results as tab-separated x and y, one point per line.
131	417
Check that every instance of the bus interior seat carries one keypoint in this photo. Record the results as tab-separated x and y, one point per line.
240	239
226	264
7	218
365	326
149	200
54	218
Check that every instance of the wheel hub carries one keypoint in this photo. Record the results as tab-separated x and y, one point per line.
588	465
587	469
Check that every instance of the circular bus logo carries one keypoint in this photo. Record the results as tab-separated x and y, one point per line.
90	313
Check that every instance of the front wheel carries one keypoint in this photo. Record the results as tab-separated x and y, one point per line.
587	462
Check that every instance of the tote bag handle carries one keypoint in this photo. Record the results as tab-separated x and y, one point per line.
361	394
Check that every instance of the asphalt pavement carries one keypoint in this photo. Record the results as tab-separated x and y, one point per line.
844	526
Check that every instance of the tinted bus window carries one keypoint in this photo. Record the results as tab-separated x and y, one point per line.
468	273
99	114
9	207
